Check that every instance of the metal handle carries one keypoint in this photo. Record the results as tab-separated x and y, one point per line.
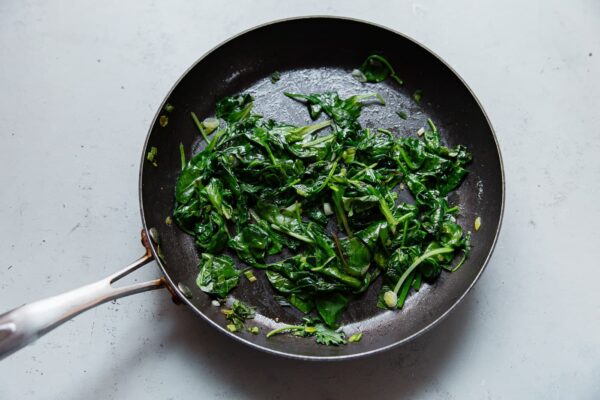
27	323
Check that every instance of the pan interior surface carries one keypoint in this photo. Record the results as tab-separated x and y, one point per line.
316	55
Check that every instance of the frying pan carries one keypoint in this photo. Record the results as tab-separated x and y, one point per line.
313	54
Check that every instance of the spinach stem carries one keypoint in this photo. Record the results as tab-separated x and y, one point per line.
404	232
418	261
284	329
339	249
460	263
362	171
405	289
246	111
273	159
318	140
216	137
417	282
320	267
368	96
452	210
292	234
406	217
318	126
389	67
331	172
341	215
432	125
381	130
407	160
199	126
387	213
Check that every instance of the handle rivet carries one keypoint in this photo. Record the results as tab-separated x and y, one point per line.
185	290
154	235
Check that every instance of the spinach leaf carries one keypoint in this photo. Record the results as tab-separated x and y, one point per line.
377	69
217	275
235	108
211	235
331	306
357	256
253	243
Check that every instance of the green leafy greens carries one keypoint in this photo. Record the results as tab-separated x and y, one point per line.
217	275
237	316
376	69
324	198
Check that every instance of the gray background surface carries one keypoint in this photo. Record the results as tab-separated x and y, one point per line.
79	84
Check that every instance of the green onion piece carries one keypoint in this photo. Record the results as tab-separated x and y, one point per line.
152	156
355	338
417	95
163	120
169	108
182	155
402	115
404	291
248	273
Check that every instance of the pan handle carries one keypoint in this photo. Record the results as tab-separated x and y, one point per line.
27	323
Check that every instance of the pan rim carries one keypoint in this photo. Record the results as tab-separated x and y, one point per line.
296	356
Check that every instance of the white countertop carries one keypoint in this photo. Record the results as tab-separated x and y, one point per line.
79	84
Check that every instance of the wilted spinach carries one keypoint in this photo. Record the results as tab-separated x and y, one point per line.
217	275
237	316
261	187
